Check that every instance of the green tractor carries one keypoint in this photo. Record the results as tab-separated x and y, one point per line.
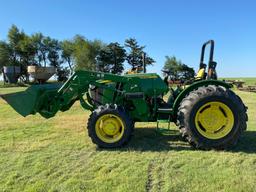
208	113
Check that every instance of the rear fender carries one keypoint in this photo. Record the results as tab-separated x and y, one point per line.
192	87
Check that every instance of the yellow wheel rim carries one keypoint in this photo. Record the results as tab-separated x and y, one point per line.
214	120
109	128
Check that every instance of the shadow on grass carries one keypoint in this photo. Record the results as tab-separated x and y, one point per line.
147	139
247	143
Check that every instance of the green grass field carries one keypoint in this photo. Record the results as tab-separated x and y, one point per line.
57	155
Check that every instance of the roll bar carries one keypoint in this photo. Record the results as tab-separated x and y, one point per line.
212	74
211	43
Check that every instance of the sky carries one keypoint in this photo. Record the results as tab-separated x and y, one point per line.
167	27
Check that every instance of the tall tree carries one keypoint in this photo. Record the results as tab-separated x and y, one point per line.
53	50
14	39
5	54
85	52
39	42
172	65
53	56
186	72
111	58
135	52
67	54
27	51
178	70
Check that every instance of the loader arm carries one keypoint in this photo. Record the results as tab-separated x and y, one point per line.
49	99
78	85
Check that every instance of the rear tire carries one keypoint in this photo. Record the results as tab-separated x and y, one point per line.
109	126
212	117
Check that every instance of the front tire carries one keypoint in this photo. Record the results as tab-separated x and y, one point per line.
212	117
109	126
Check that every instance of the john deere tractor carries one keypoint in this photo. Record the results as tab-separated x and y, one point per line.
208	113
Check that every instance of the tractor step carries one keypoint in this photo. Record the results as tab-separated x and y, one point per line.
163	121
165	110
164	116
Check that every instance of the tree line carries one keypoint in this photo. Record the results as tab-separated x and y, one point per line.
21	49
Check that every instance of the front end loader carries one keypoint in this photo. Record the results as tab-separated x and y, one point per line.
208	113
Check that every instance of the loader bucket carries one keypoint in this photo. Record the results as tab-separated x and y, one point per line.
28	102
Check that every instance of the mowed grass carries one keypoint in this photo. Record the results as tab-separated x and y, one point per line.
57	155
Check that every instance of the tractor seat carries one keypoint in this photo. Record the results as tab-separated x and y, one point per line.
201	74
